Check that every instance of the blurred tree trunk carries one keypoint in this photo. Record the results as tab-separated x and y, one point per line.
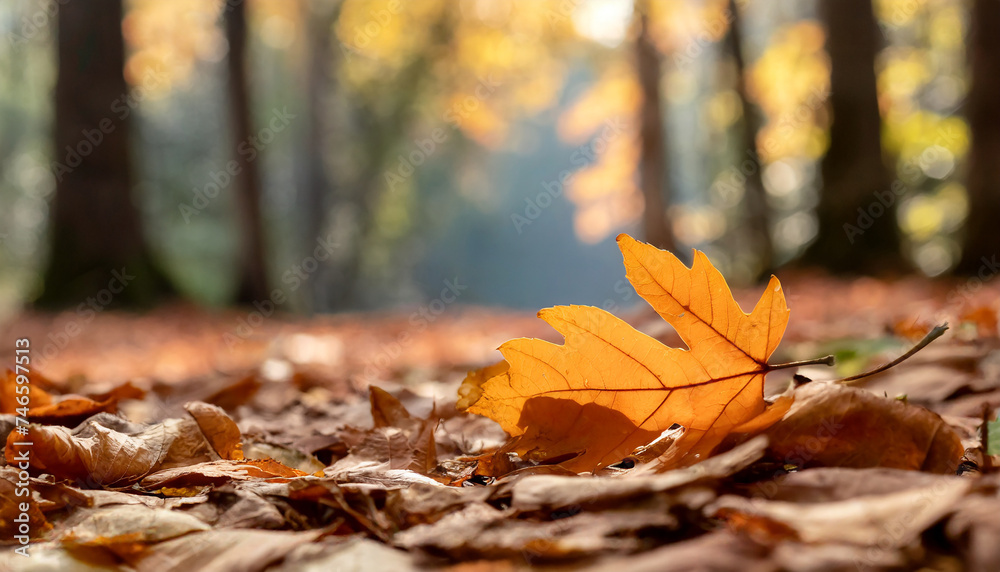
97	241
854	174
319	16
982	237
246	183
653	146
758	212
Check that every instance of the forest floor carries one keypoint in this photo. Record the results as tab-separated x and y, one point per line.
186	439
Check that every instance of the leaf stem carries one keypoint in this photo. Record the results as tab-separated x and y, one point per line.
930	337
825	360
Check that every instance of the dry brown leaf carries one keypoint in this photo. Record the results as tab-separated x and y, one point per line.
715	551
67	410
249	510
235	394
398	441
220	431
34	396
823	484
353	503
221	551
286	456
836	426
480	531
425	504
610	389
976	533
387	411
349	554
218	472
125	528
10	508
887	521
550	492
108	458
96	455
70	410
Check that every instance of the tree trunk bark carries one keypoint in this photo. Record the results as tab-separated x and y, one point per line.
853	171
320	17
982	237
758	212
246	183
653	146
98	250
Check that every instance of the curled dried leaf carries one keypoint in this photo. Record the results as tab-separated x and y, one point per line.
217	427
95	455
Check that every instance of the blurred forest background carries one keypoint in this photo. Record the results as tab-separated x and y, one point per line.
328	155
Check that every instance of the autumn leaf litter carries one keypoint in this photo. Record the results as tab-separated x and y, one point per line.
884	475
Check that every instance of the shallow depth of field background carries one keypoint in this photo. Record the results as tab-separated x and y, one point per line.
497	146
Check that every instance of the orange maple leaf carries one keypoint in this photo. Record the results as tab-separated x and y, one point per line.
610	388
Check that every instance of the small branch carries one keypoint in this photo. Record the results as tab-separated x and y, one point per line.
930	337
825	360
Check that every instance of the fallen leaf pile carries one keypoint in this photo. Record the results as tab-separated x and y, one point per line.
613	450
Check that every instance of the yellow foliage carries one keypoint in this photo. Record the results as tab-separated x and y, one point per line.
167	39
685	27
463	46
789	82
947	31
929	214
905	71
722	109
897	13
615	94
604	190
605	193
911	135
